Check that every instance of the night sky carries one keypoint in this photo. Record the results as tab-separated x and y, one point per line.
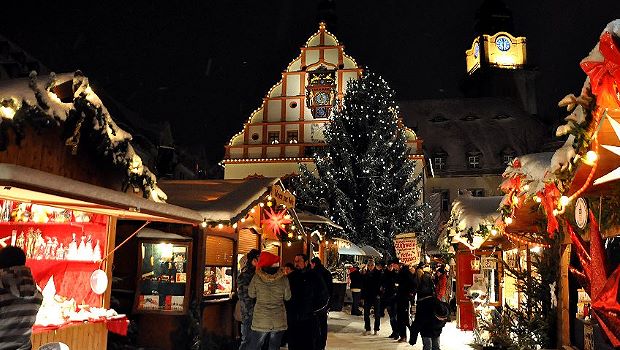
205	65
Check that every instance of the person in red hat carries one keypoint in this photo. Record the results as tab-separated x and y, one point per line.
270	288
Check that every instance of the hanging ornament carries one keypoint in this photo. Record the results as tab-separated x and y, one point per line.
274	220
98	281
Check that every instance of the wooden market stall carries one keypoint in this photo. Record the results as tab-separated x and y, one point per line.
64	166
239	215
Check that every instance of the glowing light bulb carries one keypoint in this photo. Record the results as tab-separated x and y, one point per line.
590	158
220	226
261	204
515	200
269	197
242	219
537	199
564	201
203	224
252	210
234	225
270	203
526	187
290	235
508	220
494	232
288	244
555	212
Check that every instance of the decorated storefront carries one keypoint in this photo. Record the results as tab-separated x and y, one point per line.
573	193
64	169
239	215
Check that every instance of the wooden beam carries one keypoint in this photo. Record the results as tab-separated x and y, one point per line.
563	329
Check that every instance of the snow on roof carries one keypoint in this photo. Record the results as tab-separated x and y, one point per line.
224	201
469	214
41	93
535	169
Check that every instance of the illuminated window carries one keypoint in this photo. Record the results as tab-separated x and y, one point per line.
445	198
273	137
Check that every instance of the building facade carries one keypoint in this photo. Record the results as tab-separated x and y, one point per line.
288	127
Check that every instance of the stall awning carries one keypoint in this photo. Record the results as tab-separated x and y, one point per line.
224	201
309	218
24	184
370	251
348	248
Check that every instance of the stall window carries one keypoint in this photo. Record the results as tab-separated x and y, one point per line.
163	271
218	279
489	270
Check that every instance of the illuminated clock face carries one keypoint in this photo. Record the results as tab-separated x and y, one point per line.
321	98
321	112
503	43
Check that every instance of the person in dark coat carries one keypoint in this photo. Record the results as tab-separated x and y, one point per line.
424	315
388	295
308	297
320	269
372	297
355	277
247	303
404	295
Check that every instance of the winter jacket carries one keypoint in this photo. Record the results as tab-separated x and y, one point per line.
405	287
424	285
441	285
388	284
327	277
243	283
372	285
19	303
308	294
271	288
356	279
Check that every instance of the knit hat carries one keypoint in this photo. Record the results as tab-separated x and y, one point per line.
267	259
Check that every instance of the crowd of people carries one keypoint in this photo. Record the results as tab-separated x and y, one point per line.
285	305
413	299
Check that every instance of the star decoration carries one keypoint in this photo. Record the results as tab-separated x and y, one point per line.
597	282
615	174
275	221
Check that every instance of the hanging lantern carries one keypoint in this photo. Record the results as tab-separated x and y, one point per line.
321	92
275	220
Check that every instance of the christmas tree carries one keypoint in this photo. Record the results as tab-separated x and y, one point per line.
364	179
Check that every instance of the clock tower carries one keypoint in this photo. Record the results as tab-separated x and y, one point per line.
496	61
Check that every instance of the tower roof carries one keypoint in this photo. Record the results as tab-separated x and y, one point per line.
493	16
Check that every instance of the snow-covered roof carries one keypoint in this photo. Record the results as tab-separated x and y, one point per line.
370	251
348	248
534	170
309	218
221	201
26	184
469	214
45	94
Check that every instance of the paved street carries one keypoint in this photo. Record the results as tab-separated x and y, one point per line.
345	332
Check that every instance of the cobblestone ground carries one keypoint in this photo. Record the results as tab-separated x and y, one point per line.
345	332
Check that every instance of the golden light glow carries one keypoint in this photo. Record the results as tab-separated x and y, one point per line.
203	224
508	220
515	200
564	200
537	199
261	204
220	226
500	50
252	210
590	158
242	219
270	203
288	244
7	112
234	225
494	232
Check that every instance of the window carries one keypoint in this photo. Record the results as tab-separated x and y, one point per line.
291	136
476	192
473	161
508	158
439	163
445	198
218	278
273	137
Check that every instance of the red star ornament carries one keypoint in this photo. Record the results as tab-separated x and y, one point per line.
275	220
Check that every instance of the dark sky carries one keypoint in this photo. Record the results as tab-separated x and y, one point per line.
205	65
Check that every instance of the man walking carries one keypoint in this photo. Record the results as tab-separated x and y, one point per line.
320	269
355	277
308	298
388	300
371	296
247	303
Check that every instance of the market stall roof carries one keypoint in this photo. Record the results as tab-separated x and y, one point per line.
24	184
348	248
309	218
470	212
222	201
370	251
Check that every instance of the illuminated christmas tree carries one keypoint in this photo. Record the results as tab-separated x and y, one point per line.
365	180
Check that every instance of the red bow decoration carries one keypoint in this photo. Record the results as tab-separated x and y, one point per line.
605	76
550	197
595	280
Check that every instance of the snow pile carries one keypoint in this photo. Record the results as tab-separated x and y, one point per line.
472	219
21	98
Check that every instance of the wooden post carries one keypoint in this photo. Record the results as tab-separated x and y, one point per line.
563	302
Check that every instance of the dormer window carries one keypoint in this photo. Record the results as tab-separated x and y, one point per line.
508	155
273	137
439	119
439	162
469	118
474	159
